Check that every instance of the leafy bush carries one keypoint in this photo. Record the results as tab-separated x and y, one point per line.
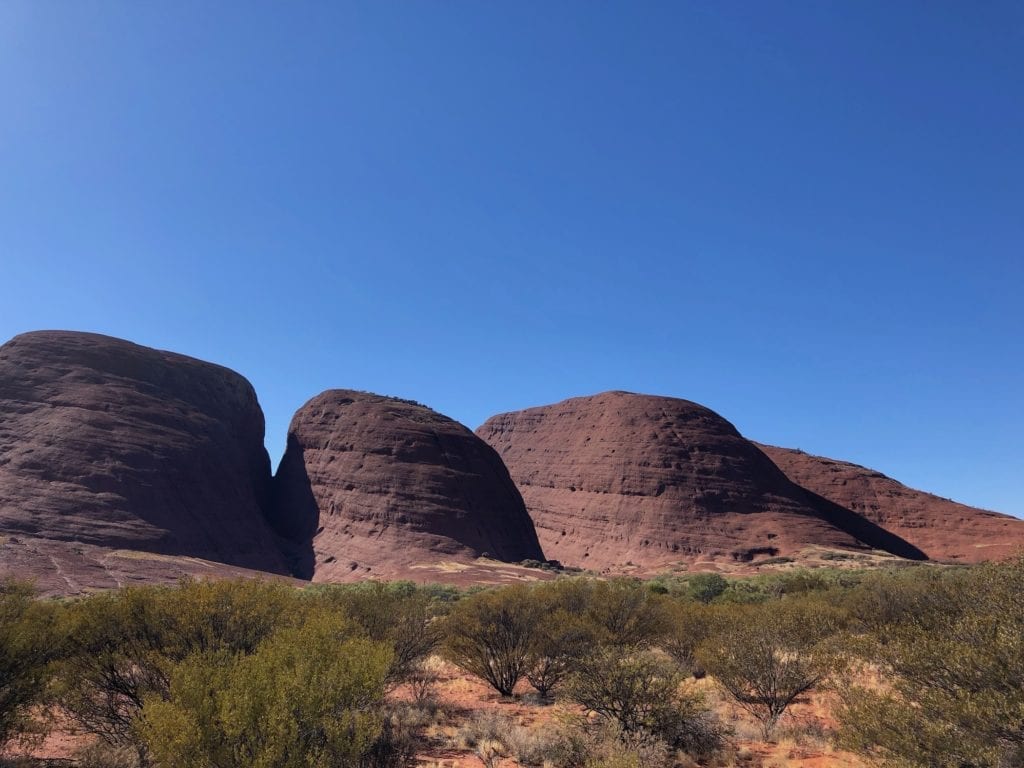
625	613
26	632
691	625
955	673
705	587
640	695
561	636
766	657
491	634
120	647
309	697
397	614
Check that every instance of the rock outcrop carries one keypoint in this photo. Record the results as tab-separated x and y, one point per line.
943	529
384	486
621	479
104	443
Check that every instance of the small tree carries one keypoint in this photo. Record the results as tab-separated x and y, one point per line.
309	697
626	613
705	587
641	695
691	625
765	657
25	642
560	640
491	635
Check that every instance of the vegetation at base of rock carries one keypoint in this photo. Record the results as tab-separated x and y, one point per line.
308	697
639	694
120	648
953	660
26	639
768	656
924	665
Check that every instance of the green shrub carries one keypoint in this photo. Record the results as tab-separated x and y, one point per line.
954	668
561	636
26	637
397	614
640	695
309	697
624	613
119	647
705	587
491	634
766	657
691	624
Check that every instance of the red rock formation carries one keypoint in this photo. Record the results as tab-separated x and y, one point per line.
108	444
943	529
619	478
384	486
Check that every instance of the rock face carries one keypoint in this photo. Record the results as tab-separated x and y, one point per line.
619	478
943	529
109	444
383	486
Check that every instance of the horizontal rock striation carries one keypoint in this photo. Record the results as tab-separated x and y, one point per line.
384	486
110	444
942	529
621	479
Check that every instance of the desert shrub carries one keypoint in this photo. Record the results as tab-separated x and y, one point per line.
119	647
624	613
601	744
26	639
309	697
640	695
490	635
397	614
691	624
493	733
922	596
397	743
953	674
103	755
422	680
766	657
561	636
533	746
705	587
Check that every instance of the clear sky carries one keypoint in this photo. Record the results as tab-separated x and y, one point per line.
808	216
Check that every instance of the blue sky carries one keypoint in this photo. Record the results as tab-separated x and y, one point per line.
808	216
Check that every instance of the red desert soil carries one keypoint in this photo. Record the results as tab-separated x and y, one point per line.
388	488
943	529
108	444
618	480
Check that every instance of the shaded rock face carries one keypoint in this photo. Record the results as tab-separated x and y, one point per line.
110	444
383	486
943	529
621	479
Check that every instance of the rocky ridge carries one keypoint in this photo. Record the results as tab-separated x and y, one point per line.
108	443
621	479
383	486
941	528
